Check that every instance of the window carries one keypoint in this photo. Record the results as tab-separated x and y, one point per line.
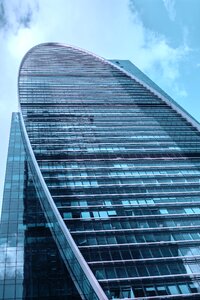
173	289
67	215
85	214
103	214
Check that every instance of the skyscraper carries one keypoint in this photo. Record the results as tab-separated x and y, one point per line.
102	195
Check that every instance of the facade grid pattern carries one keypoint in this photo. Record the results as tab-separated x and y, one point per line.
116	170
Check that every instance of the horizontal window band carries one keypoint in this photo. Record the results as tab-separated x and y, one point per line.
184	259
149	278
135	217
152	194
104	206
138	230
169	243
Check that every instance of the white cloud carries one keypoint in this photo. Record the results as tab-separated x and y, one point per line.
16	14
170	7
167	58
152	53
19	44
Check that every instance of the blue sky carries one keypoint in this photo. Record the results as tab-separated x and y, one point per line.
161	37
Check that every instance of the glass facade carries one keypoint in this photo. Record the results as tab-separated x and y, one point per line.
31	266
114	167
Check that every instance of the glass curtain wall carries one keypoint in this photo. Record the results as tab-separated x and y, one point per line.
123	170
31	267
